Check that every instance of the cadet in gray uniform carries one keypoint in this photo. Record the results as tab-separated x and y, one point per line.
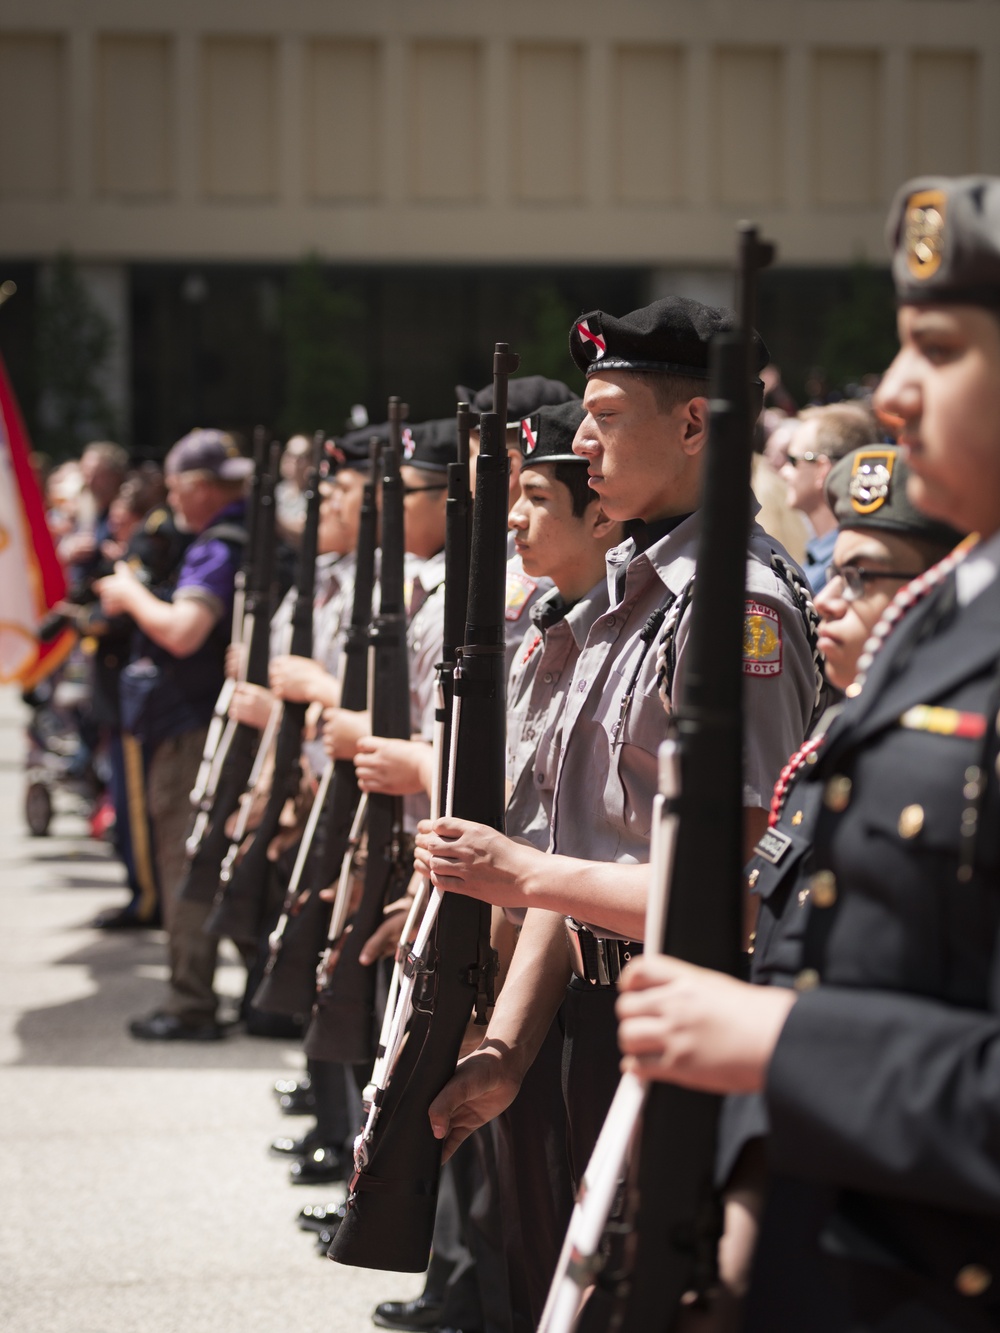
561	532
643	439
874	1036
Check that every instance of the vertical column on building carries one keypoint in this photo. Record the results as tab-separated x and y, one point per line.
895	110
798	189
291	177
497	76
598	82
395	181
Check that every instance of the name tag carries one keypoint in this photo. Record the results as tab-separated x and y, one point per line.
773	845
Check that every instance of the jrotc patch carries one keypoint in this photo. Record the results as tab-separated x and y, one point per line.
529	434
519	589
591	340
761	641
871	474
923	232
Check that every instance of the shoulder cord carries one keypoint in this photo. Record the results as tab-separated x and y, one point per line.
646	635
907	597
801	595
666	652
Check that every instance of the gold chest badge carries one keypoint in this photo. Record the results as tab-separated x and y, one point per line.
923	232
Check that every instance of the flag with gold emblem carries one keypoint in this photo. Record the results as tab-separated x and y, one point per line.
31	577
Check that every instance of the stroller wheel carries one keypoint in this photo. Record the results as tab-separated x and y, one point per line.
38	808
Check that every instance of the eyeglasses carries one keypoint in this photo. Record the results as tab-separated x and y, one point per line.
416	490
794	461
855	578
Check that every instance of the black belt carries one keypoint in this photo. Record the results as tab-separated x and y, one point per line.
597	960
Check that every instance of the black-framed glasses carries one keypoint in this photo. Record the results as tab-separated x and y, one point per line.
794	460
416	490
856	578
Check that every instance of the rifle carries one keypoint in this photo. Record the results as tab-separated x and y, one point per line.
241	902
392	1197
420	918
289	984
673	1212
220	729
343	1021
209	840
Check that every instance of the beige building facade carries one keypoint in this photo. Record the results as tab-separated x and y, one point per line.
461	131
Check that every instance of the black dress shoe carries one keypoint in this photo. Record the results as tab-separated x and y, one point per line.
322	1166
120	918
168	1027
288	1147
418	1314
295	1097
319	1217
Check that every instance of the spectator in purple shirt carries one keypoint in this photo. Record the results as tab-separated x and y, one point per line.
169	690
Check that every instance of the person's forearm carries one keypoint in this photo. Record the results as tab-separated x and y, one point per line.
180	627
533	989
605	894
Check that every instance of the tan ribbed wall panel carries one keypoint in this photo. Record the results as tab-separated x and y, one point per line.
133	117
343	95
446	122
943	112
547	118
33	105
239	107
649	125
846	130
749	130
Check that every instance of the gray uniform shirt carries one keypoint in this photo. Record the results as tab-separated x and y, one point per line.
536	696
602	804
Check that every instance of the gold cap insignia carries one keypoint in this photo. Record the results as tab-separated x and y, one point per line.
870	476
923	232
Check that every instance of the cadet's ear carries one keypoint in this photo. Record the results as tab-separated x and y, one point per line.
694	421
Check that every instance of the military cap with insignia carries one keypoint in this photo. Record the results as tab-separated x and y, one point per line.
546	436
944	233
867	489
353	450
431	445
670	337
525	395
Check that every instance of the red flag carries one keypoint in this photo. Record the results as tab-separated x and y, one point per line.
31	578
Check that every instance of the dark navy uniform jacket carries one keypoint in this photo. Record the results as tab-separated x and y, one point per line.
882	1103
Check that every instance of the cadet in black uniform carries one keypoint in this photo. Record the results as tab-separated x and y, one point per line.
875	1044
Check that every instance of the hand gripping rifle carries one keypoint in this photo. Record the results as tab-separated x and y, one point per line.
423	910
672	1206
289	984
209	839
242	901
393	1193
220	729
343	1021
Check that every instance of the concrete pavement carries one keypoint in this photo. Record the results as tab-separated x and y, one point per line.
135	1188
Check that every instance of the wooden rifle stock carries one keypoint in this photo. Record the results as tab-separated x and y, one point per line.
202	878
289	984
393	1193
676	1210
343	1026
242	902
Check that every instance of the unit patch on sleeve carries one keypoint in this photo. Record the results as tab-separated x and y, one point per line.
761	641
519	589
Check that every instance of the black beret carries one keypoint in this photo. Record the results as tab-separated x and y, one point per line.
670	336
353	450
547	435
432	445
867	489
525	394
944	233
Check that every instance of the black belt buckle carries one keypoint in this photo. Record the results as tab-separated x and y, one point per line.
596	960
